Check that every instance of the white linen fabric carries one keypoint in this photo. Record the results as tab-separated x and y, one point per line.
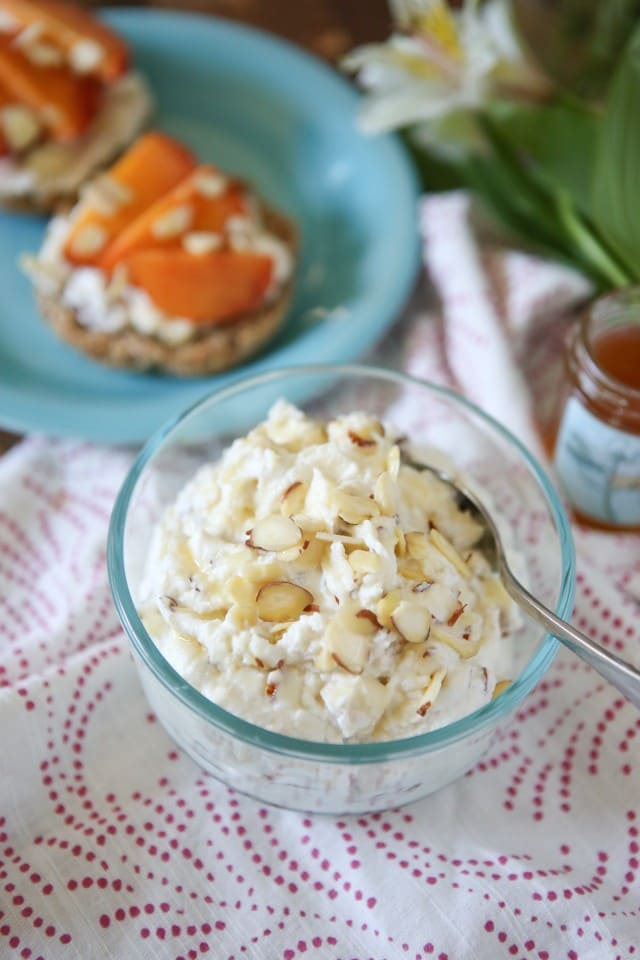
114	844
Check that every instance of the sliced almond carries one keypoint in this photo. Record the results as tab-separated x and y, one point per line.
86	56
275	533
28	34
360	441
401	543
366	622
348	649
36	49
464	646
344	663
8	24
295	435
324	661
500	688
354	510
348	541
281	601
432	690
293	498
410	569
449	552
364	561
89	240
173	222
240	232
200	242
210	184
386	606
119	281
311	554
384	494
43	54
417	544
412	622
393	462
241	590
20	127
457	613
106	194
277	629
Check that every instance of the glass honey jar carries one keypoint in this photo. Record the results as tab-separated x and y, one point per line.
597	448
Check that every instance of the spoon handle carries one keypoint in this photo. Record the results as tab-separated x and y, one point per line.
622	675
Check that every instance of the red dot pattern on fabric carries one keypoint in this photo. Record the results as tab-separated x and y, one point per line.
113	837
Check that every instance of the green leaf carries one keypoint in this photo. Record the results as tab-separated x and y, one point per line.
616	184
592	253
556	143
576	42
543	215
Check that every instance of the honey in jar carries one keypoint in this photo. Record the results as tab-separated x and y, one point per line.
597	450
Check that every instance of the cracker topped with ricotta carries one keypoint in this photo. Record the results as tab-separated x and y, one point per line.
166	263
70	101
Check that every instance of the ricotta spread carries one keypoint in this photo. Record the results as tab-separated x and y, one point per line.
315	585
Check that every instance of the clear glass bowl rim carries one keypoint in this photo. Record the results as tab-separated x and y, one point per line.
249	733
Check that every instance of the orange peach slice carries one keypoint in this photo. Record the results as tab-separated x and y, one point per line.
149	169
65	102
88	45
212	288
191	207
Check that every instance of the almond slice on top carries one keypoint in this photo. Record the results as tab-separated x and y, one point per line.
199	242
293	499
19	127
280	601
412	621
449	552
275	533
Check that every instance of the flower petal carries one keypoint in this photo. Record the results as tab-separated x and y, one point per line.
400	108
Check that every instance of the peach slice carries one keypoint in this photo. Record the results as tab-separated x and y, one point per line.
214	287
65	102
89	46
200	204
149	169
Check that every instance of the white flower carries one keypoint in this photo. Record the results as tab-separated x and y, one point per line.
440	60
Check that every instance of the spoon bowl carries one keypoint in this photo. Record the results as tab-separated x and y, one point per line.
621	674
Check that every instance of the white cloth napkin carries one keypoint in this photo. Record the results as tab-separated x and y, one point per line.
113	844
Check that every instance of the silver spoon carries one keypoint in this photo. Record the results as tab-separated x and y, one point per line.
621	674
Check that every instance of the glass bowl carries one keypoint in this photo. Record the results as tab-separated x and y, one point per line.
329	777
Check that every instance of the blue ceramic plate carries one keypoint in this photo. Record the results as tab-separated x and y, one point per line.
261	108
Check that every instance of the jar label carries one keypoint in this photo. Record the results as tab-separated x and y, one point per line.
598	467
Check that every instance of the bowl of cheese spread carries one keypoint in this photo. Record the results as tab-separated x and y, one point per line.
309	609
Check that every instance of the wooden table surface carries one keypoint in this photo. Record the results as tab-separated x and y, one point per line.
328	28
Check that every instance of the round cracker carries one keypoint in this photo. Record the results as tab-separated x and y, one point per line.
213	348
